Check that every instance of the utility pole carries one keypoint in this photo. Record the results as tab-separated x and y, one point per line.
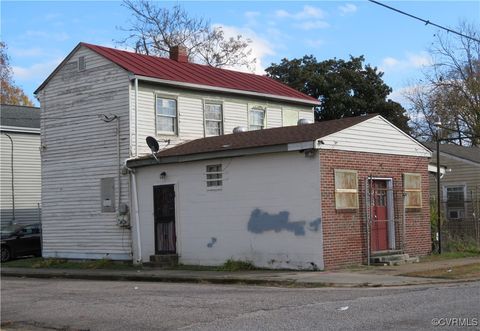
439	223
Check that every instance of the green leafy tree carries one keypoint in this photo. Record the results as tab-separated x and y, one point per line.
10	93
344	88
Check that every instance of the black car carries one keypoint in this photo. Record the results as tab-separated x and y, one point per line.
20	240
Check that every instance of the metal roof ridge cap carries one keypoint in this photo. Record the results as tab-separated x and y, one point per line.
225	89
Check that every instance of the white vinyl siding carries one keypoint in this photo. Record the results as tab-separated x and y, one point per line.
78	150
274	117
290	117
375	135
27	177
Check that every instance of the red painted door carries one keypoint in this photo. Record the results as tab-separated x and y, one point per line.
379	230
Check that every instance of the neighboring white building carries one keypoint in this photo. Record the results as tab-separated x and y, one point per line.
20	179
100	104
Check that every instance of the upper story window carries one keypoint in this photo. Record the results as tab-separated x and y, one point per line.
166	115
257	118
213	119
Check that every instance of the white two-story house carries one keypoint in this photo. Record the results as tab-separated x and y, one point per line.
99	105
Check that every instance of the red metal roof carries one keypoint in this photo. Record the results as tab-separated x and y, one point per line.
192	73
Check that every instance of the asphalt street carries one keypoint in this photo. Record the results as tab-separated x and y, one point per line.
52	304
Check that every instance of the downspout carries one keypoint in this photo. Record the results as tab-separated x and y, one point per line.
136	117
13	181
137	218
119	166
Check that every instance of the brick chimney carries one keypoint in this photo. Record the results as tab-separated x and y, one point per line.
179	53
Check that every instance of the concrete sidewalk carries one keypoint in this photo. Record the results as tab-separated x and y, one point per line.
361	277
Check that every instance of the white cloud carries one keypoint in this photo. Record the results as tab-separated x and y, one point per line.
260	47
35	72
307	12
348	8
312	25
27	52
57	36
410	61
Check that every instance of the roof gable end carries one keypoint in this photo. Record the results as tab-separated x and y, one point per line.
375	135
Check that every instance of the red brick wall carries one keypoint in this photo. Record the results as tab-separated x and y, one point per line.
344	231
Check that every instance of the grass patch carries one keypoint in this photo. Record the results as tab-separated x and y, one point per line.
38	262
465	271
449	256
236	265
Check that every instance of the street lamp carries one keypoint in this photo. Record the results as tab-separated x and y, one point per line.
438	125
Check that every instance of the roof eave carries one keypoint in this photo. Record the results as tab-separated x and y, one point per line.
227	90
136	163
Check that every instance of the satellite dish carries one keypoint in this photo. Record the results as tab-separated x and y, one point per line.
153	145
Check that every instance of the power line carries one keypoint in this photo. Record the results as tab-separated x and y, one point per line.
426	21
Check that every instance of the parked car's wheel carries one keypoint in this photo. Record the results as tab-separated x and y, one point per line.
6	255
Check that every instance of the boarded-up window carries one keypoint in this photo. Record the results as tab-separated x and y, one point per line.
346	189
412	185
290	117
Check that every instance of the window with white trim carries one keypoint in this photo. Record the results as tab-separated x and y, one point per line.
166	115
214	176
346	189
412	187
455	201
213	119
256	118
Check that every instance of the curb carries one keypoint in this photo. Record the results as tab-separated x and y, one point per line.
218	281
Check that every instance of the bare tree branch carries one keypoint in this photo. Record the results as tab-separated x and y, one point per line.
154	30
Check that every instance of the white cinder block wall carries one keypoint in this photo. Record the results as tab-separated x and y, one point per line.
271	183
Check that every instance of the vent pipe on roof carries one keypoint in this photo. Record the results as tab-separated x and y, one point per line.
179	53
304	121
238	129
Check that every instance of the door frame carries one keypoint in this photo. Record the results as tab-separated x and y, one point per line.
390	210
176	218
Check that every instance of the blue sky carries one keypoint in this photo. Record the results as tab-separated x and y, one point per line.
40	34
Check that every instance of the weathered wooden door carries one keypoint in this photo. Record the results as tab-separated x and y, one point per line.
379	230
164	219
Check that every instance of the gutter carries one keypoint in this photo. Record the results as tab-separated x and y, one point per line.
226	90
142	162
19	129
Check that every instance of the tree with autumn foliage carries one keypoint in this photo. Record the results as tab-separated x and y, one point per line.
11	94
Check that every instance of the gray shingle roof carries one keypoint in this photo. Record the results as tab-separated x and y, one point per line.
20	116
463	152
262	138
